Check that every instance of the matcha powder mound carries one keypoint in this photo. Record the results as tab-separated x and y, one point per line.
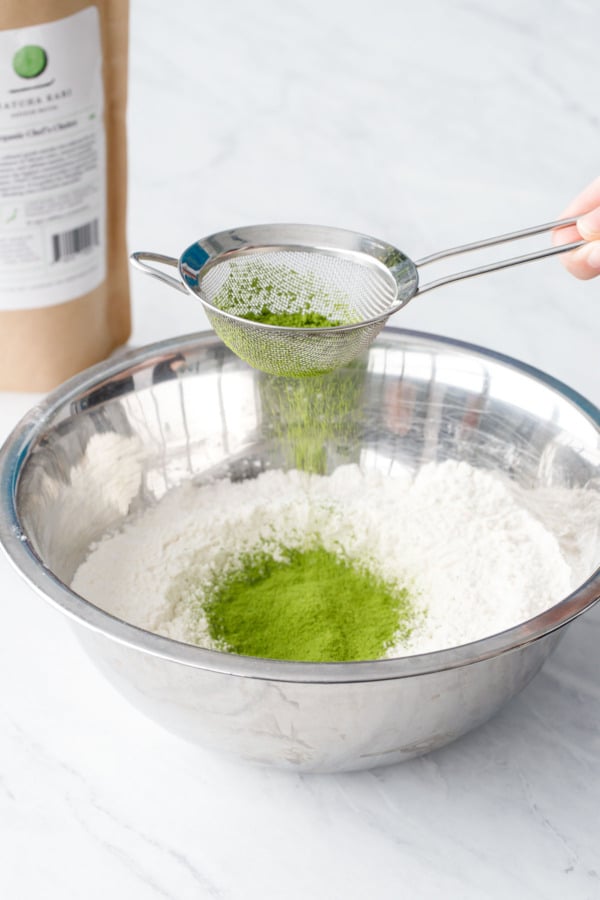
310	606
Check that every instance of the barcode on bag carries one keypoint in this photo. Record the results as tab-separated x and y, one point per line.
69	243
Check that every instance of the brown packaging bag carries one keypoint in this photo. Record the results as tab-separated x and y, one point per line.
64	290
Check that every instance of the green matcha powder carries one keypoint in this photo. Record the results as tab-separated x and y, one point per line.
306	318
309	606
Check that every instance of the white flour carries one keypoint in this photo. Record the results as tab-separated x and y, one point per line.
475	561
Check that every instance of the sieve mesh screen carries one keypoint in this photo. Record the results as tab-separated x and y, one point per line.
345	290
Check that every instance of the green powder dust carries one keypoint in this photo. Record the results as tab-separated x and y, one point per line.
255	287
307	318
310	607
315	423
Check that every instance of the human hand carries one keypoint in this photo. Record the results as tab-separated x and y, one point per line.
584	262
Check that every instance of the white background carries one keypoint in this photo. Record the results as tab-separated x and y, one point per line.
427	124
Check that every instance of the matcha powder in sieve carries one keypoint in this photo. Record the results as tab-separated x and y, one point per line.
303	318
282	297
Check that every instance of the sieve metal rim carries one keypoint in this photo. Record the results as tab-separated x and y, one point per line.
370	261
390	262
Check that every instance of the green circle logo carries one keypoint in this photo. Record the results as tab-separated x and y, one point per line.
30	61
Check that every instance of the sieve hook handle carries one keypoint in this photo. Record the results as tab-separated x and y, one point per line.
138	258
501	264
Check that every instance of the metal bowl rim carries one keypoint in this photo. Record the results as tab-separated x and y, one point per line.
17	448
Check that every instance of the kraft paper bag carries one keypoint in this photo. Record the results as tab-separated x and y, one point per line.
64	290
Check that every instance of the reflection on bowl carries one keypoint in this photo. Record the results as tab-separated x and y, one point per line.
115	439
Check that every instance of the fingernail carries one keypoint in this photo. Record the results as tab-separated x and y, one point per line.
593	255
589	225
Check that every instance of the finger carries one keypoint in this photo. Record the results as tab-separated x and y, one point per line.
568	235
587	200
589	225
583	263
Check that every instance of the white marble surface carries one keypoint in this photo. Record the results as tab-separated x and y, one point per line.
427	124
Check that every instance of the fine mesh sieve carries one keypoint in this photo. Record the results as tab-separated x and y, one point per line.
296	282
309	274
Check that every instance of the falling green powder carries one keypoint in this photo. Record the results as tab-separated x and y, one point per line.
315	423
310	606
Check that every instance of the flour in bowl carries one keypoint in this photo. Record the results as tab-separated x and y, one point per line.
474	559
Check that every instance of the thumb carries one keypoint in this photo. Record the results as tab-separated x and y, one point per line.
584	262
589	225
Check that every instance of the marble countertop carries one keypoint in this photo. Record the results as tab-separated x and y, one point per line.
428	124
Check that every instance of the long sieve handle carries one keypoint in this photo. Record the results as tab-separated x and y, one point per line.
502	264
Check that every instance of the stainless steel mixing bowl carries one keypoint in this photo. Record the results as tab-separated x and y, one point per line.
196	411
